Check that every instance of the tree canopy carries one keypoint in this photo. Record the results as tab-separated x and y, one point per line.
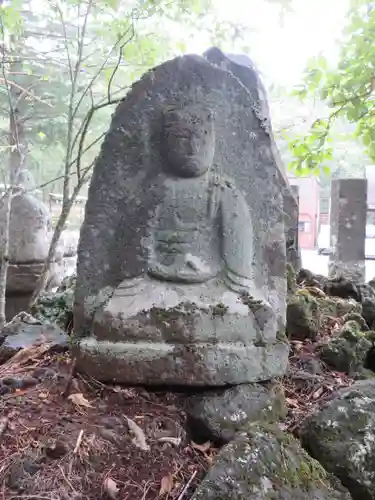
64	64
348	91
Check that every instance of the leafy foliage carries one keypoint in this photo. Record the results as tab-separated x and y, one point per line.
62	59
348	89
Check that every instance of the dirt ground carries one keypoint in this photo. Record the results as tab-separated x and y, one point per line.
72	438
64	436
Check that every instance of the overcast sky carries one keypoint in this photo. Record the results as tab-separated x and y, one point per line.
279	47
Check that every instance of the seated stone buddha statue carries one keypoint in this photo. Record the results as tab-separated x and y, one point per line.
199	244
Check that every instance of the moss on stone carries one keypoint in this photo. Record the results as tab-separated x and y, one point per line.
303	317
291	279
348	352
219	309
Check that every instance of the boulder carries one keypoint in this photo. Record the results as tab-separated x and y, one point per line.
25	331
266	464
368	311
358	318
337	307
218	415
302	317
342	438
347	352
57	307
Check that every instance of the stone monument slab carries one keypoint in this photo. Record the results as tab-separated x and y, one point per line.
348	217
181	259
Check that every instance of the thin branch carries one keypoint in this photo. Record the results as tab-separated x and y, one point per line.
30	94
98	72
88	119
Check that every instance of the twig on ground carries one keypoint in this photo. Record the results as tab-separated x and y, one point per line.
67	480
145	491
78	443
187	486
70	378
3	425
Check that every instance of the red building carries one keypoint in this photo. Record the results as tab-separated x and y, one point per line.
309	191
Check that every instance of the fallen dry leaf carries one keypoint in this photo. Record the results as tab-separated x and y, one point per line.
79	400
139	439
43	395
166	485
171	440
318	393
201	447
110	487
24	355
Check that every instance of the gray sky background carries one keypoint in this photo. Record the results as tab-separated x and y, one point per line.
281	46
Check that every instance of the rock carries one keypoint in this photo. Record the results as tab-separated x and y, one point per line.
21	278
347	352
342	287
57	307
368	311
29	229
181	260
266	465
307	278
291	279
302	317
218	415
341	436
358	318
23	332
337	307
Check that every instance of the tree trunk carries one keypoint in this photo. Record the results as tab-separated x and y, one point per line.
17	155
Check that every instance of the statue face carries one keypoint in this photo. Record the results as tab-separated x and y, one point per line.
189	141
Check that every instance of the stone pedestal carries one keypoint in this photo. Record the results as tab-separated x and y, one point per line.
348	228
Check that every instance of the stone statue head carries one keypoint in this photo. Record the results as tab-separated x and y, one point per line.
189	140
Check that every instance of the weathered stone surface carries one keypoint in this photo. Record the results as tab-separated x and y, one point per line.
358	318
347	352
342	287
29	229
368	311
264	465
22	278
338	307
57	307
181	264
218	415
341	436
291	210
25	331
30	233
348	228
243	68
303	317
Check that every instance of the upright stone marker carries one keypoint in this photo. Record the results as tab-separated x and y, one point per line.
181	262
348	228
243	68
291	209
